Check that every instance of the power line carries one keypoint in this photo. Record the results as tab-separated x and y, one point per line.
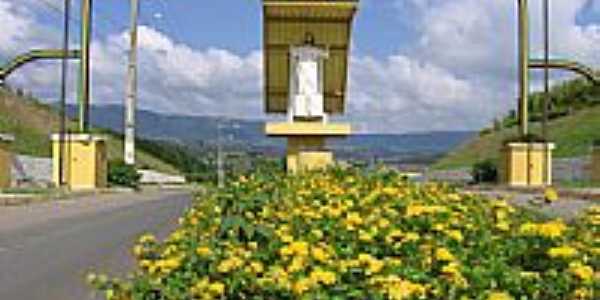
58	10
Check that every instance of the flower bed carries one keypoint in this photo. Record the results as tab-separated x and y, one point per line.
361	235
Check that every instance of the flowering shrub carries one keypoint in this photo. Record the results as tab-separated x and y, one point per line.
354	235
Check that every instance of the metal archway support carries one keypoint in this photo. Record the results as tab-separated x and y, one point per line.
568	65
34	55
528	163
526	63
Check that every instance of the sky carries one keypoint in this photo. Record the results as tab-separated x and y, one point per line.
415	65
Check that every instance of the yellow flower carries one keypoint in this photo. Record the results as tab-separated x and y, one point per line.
286	238
324	277
317	233
417	210
499	296
253	245
299	248
443	254
582	294
144	263
256	267
365	236
286	251
581	271
302	285
296	265
562	252
501	204
530	275
550	195
230	264
344	265
455	235
454	197
375	266
551	229
390	191
353	220
383	223
138	250
320	254
216	288
452	269
412	236
203	251
503	226
439	227
394	262
147	238
397	288
394	236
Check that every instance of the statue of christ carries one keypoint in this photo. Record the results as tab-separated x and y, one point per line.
306	81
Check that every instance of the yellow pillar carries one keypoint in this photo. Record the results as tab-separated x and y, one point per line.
527	164
84	163
6	159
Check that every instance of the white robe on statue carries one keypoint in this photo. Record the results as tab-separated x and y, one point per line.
306	90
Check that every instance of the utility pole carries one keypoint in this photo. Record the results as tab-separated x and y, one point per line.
63	94
523	68
131	98
546	100
220	171
84	72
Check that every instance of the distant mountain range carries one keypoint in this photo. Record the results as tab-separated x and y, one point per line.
203	129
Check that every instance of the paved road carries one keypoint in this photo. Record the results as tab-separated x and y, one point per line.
567	208
47	249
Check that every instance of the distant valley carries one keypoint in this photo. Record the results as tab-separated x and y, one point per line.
194	130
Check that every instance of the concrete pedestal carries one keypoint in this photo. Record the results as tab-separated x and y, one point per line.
306	148
6	159
84	162
527	164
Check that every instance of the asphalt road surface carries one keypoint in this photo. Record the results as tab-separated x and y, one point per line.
46	250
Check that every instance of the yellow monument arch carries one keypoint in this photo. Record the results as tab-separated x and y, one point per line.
79	159
525	162
306	47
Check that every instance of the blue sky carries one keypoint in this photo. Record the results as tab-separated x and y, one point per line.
416	65
236	24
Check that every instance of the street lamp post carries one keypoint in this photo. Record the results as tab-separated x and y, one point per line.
220	154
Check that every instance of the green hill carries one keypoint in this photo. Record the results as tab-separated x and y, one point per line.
32	122
574	126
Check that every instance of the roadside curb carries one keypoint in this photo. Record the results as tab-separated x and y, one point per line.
8	200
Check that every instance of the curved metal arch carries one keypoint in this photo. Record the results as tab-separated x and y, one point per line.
568	65
33	55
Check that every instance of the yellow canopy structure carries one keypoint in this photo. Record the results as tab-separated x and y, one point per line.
286	24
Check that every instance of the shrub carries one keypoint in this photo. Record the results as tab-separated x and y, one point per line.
122	174
352	234
486	131
485	172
